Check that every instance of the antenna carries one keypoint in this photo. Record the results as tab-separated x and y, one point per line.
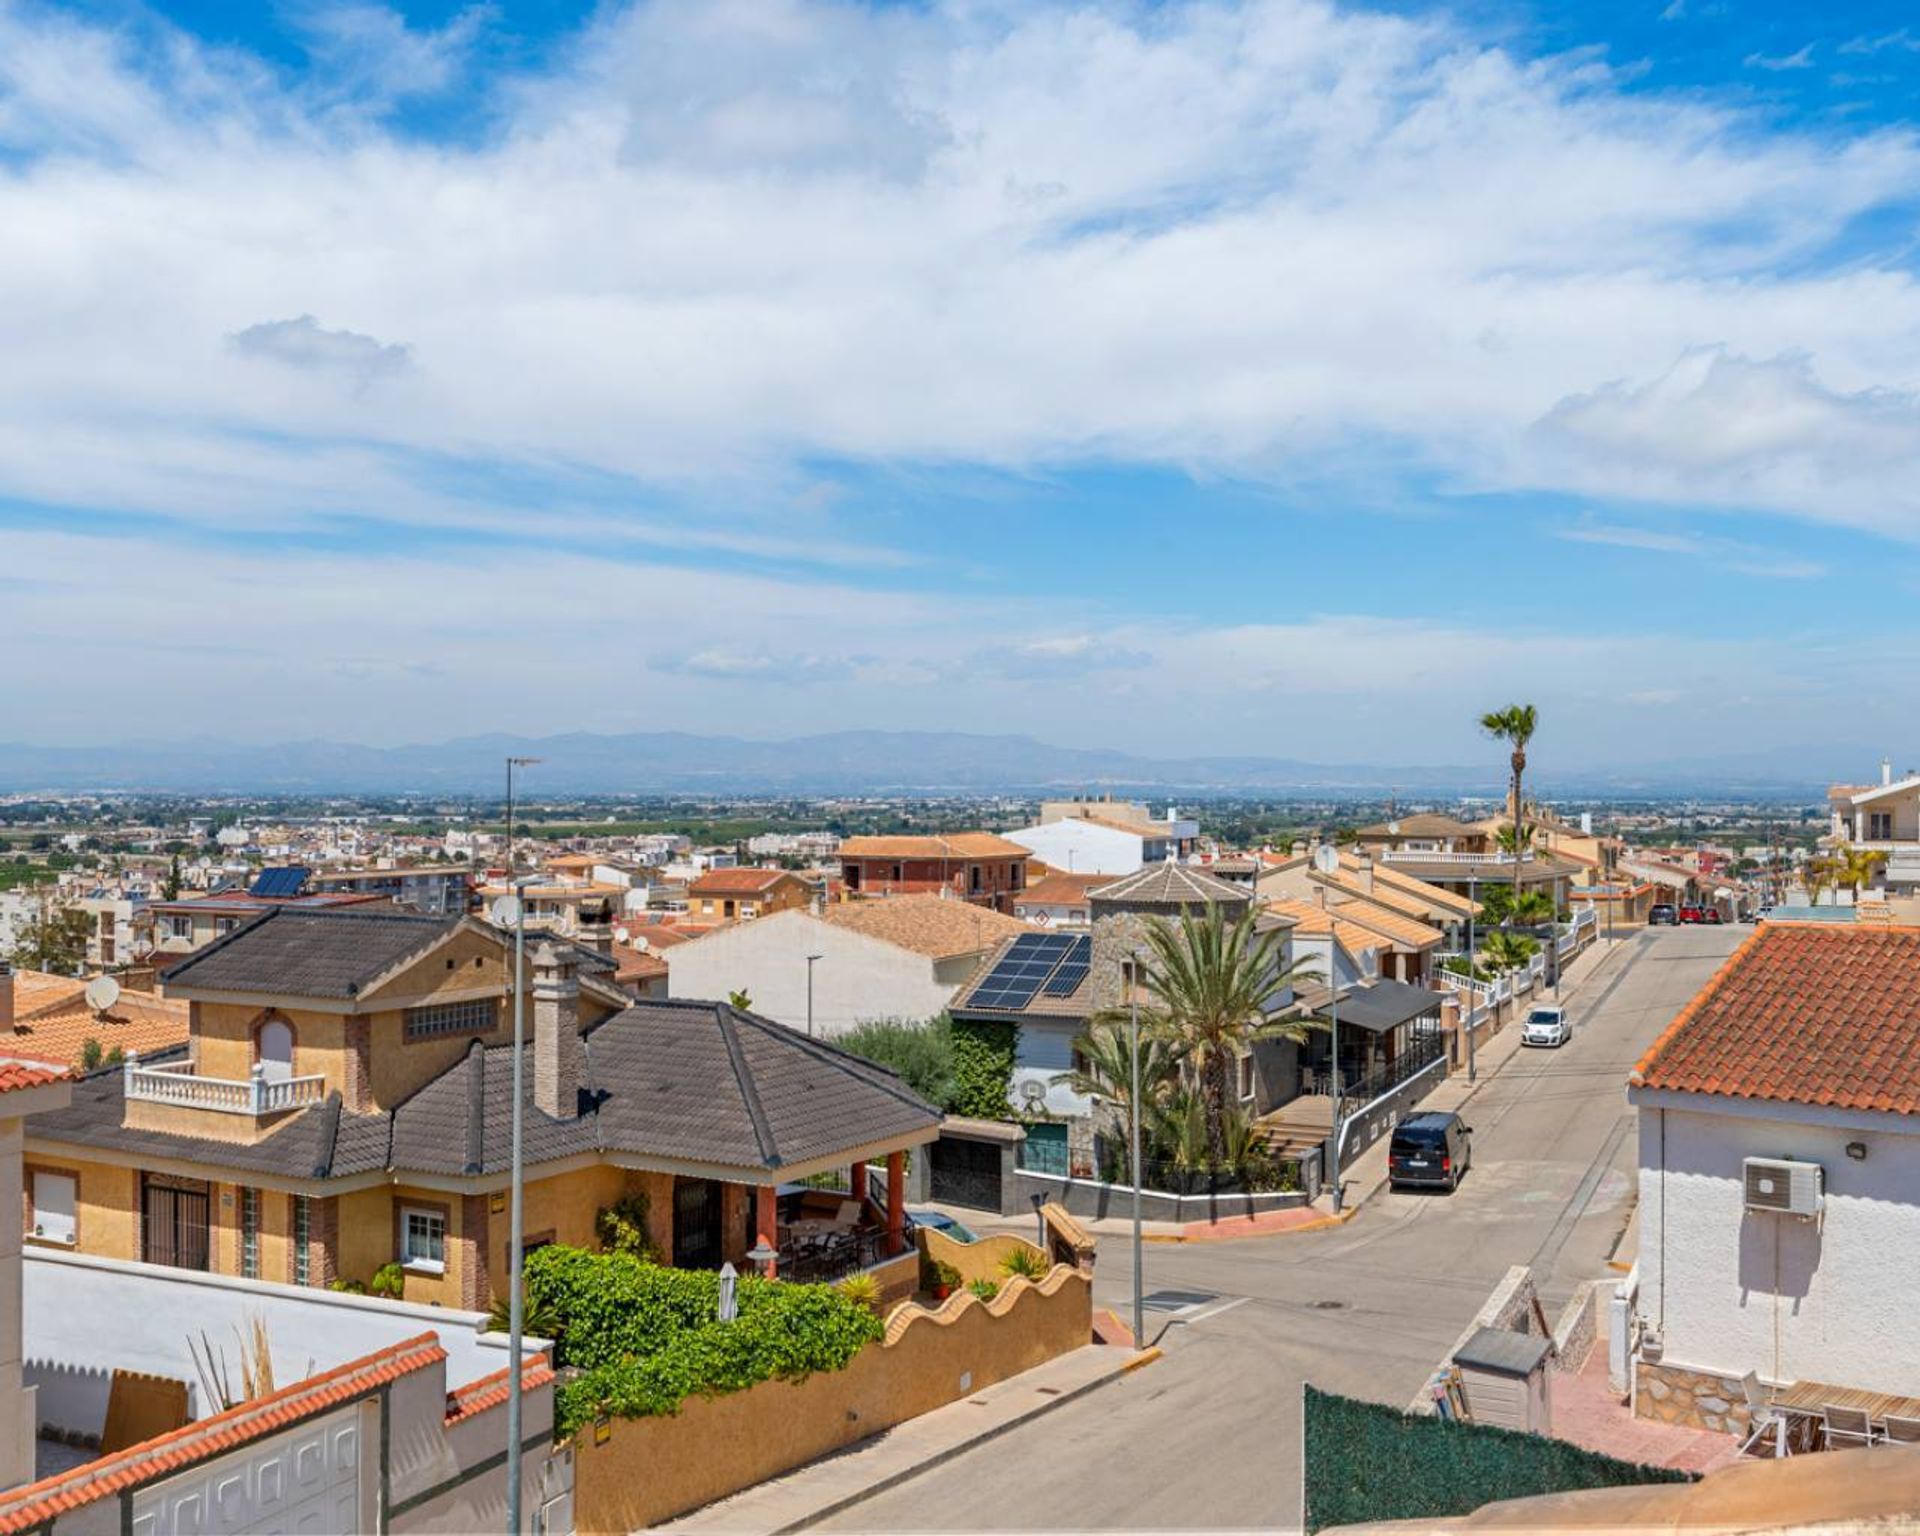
1326	859
1033	1093
102	993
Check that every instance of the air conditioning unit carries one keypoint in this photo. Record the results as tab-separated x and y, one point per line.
1781	1185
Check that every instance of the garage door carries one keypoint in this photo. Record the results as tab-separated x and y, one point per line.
306	1480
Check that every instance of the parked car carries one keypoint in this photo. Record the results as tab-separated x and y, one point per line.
1662	914
1430	1149
940	1221
1547	1026
1711	915
1763	914
1691	914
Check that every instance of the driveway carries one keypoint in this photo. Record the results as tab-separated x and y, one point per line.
1209	1436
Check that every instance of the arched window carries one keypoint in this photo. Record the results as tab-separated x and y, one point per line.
276	1049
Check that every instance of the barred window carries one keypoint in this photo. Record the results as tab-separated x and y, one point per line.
250	1234
302	1232
475	1016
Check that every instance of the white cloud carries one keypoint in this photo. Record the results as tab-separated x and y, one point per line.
1902	38
1800	58
1745	559
1634	538
719	241
305	343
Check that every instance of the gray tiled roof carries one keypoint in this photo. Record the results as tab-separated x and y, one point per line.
1166	887
296	952
321	1142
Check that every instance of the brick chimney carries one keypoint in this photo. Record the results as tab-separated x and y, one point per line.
556	1033
1363	872
6	996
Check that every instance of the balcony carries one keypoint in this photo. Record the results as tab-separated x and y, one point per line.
1415	856
175	1082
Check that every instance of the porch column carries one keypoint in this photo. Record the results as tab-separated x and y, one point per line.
766	1223
857	1181
896	1202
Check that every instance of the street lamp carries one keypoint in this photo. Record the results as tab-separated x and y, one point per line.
516	1257
810	960
1139	1291
1326	859
1473	997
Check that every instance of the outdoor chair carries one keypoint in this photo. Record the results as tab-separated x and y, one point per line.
1767	1436
1902	1431
1845	1427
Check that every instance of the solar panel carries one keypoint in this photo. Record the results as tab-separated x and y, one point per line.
1073	969
285	881
1028	962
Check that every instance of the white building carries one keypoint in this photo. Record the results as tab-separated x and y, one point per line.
1779	1121
899	958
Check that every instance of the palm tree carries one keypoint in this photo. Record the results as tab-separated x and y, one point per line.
1212	987
1103	1057
1856	867
1533	907
1507	951
1512	840
1816	876
1515	725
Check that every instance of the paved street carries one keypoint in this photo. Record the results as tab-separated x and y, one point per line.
1209	1435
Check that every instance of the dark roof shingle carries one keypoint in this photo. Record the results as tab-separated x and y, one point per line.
298	952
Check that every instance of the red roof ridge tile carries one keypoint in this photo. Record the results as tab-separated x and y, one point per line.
490	1391
1694	1004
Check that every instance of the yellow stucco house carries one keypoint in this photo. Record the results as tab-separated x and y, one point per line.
344	1101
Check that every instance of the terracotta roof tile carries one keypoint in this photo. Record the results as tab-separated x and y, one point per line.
747	880
138	1021
935	926
1060	889
14	1077
1802	1013
491	1391
951	845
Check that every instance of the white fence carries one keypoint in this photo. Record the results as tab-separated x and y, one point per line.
1478	996
175	1082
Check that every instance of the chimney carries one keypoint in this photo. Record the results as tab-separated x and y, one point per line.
1363	872
1299	848
6	996
1886	771
556	1033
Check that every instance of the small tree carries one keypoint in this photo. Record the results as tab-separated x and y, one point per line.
55	940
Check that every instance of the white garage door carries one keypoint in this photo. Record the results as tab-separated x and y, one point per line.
307	1479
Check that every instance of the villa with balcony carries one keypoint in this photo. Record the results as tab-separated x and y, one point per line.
1881	818
344	1098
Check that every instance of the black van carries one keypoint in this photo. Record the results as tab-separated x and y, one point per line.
1430	1149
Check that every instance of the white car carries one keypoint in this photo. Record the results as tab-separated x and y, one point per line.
1547	1026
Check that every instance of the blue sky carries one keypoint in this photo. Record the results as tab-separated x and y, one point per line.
1265	376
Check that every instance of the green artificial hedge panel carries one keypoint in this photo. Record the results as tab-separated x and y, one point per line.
645	1337
983	1054
1368	1462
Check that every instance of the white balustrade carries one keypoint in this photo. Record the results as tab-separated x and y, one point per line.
175	1082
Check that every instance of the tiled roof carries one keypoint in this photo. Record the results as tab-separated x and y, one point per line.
1315	922
681	1081
298	953
1422	824
935	926
952	845
1802	1014
1169	885
14	1077
738	881
491	1391
43	1502
56	1032
36	990
636	964
1409	932
1059	889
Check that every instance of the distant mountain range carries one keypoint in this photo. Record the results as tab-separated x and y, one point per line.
841	762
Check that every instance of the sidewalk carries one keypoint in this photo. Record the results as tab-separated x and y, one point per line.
1367	1174
823	1488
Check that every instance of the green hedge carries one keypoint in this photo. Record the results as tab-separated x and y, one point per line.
645	1337
1366	1462
983	1056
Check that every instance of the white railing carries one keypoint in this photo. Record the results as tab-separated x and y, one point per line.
1413	856
175	1082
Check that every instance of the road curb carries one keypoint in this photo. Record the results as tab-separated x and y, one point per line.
1319	1224
941	1457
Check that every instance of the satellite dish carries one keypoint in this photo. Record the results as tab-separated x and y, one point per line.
1033	1093
1393	827
505	911
102	993
1326	859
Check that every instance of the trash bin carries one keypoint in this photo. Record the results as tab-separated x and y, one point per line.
1504	1376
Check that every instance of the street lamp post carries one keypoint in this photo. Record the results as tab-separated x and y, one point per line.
1139	1289
810	960
1333	1025
1473	997
516	1300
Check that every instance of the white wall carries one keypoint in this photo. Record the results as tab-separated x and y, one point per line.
86	1315
857	978
1082	847
1719	1281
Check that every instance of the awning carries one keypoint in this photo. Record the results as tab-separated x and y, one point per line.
1377	1008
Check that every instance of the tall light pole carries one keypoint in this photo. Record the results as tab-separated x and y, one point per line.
810	960
516	1301
1473	997
1139	1289
1326	859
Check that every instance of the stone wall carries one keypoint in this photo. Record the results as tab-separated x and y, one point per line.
1678	1394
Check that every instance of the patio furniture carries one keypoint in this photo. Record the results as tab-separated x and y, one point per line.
1768	1434
1809	1402
1846	1426
1902	1431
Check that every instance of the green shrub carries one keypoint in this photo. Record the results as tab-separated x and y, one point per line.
389	1280
645	1338
348	1287
622	1226
922	1053
1029	1263
984	1288
862	1290
983	1057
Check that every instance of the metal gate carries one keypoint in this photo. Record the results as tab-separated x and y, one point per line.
966	1173
696	1224
173	1220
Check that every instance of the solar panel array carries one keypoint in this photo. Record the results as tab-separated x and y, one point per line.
1074	966
285	881
1032	960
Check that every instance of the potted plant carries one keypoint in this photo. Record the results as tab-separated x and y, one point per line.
946	1279
389	1280
984	1288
